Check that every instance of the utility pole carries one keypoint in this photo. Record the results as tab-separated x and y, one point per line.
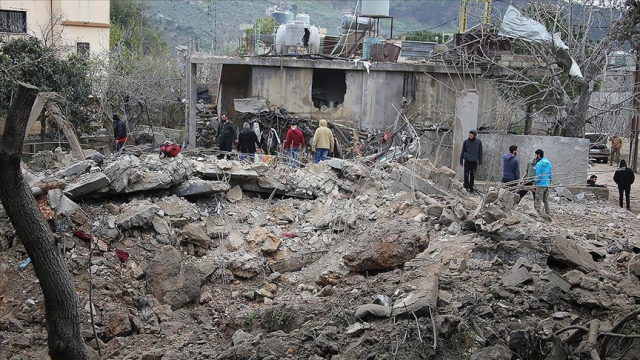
633	143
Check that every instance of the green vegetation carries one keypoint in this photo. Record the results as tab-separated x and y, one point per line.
27	59
132	29
426	35
264	26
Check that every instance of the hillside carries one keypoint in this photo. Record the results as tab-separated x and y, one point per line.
214	21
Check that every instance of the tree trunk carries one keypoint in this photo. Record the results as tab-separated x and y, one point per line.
61	302
528	120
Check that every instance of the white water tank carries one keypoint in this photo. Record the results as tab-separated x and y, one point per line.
304	18
349	23
314	40
282	29
294	32
374	7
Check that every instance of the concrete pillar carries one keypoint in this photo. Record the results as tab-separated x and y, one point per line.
192	97
466	119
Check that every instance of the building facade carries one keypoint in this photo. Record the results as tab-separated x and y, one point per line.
80	26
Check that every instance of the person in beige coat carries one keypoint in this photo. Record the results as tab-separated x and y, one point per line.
322	142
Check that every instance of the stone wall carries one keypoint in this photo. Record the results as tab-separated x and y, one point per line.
569	156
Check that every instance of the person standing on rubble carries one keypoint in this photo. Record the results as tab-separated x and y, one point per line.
528	178
544	175
119	133
510	167
292	144
616	145
269	141
624	177
226	133
247	143
322	142
471	159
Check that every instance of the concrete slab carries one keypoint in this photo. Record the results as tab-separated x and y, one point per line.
565	251
558	281
54	197
197	187
519	276
601	192
296	262
77	168
140	215
413	181
236	173
87	185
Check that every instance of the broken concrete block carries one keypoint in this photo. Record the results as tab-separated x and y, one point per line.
517	277
87	185
77	168
385	249
565	251
199	188
54	196
117	323
139	215
195	234
357	328
447	218
492	214
296	261
522	262
363	311
559	281
66	207
412	181
163	313
424	296
270	245
172	281
161	226
245	266
235	194
234	241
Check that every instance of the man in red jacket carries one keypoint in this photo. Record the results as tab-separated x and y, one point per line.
292	145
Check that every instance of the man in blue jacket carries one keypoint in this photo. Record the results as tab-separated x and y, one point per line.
471	159
511	167
544	175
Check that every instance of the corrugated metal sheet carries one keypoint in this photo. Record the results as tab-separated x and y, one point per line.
417	50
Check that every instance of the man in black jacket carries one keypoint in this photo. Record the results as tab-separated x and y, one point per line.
247	143
226	133
471	159
624	177
119	133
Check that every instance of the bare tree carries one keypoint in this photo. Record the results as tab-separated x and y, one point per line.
61	302
544	87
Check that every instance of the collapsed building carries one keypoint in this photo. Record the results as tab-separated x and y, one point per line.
342	259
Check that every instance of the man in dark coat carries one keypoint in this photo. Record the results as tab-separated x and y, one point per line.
119	133
471	159
247	143
226	133
624	177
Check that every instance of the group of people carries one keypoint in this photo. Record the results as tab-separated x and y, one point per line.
537	176
247	142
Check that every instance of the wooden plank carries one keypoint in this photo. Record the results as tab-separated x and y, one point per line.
67	129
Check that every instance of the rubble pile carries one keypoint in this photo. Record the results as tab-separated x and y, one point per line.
206	258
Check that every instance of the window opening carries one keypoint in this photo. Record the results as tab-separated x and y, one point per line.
13	21
329	88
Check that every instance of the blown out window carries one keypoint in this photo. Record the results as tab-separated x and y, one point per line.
328	88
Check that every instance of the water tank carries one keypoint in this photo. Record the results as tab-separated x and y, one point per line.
304	18
289	15
314	40
294	32
366	47
349	22
280	48
375	7
279	16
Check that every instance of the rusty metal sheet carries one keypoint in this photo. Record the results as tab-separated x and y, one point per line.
385	52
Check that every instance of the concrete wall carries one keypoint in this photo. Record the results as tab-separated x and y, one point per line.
569	156
371	98
81	21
